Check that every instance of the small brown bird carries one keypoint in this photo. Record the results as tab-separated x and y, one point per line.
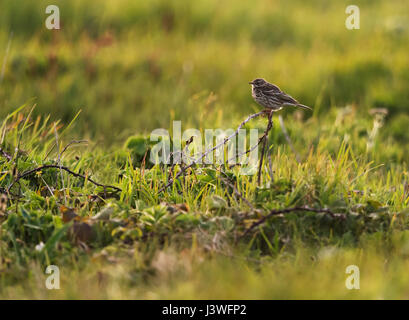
271	97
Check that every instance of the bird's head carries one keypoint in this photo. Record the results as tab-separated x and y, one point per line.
258	82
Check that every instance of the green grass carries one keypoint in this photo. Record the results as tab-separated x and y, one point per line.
132	67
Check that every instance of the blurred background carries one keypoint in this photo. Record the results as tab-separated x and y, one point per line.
133	66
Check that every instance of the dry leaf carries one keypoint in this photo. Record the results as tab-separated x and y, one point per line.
68	214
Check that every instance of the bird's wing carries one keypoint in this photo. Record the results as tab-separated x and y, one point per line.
285	98
271	87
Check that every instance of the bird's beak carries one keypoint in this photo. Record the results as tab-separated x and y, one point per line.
251	82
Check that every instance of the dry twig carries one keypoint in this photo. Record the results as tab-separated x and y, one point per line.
71	143
265	138
288	210
204	154
5	155
48	166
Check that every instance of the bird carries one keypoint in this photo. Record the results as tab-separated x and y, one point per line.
271	97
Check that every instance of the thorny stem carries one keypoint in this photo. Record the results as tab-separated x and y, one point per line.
288	210
48	166
194	162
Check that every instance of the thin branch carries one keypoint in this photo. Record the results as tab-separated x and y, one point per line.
71	143
194	162
48	166
288	210
247	151
48	187
5	154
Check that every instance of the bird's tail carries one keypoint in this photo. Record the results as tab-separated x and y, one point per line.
303	106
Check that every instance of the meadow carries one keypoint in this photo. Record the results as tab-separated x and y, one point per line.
77	106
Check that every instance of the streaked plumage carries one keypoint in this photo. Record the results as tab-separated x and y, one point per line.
271	97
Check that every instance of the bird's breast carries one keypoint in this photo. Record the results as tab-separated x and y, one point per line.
254	92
